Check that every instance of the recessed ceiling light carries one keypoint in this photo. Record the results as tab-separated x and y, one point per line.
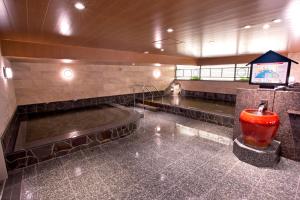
170	30
79	6
266	26
247	27
146	52
162	50
276	20
157	64
67	61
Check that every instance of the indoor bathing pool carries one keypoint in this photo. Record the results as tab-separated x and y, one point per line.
46	135
213	111
214	106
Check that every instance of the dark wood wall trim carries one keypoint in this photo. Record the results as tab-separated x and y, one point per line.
18	49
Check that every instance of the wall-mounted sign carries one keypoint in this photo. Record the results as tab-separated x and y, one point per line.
270	70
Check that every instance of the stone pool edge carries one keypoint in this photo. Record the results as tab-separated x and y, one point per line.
34	155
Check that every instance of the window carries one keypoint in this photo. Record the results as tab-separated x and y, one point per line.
218	72
228	72
242	72
187	72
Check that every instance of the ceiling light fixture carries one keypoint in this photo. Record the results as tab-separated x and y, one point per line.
276	20
170	30
157	64
67	61
266	26
79	6
247	27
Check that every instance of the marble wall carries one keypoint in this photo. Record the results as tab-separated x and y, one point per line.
7	108
41	82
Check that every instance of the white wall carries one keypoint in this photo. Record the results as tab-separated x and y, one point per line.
295	69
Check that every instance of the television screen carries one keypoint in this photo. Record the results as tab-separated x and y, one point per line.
270	73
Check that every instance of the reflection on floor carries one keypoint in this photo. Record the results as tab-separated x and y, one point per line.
163	160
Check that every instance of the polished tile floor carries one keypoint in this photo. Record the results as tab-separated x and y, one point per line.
170	157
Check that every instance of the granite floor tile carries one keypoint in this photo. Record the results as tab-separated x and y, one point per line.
50	178
77	168
176	172
88	184
246	173
159	161
224	161
157	183
29	172
229	189
259	195
104	195
280	184
175	193
62	190
201	181
134	192
54	164
93	152
71	158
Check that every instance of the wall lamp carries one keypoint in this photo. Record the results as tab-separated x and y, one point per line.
7	72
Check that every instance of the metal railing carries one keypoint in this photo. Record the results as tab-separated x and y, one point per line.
151	89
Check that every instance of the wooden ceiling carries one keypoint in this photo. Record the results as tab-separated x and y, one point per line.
201	28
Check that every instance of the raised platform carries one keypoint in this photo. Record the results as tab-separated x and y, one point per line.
257	157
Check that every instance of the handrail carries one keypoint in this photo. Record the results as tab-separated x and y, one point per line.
147	88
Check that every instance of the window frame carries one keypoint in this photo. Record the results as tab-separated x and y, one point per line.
200	68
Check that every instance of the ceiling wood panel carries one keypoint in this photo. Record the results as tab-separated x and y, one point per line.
134	25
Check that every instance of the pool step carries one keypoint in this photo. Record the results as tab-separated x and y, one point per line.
147	107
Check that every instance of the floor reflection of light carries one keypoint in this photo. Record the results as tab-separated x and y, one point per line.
203	134
162	177
157	141
215	137
157	128
184	130
175	100
137	155
73	134
78	171
28	194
